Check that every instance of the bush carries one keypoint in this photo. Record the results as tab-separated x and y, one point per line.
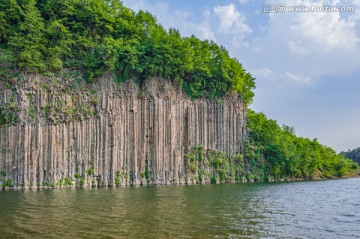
67	182
7	183
117	178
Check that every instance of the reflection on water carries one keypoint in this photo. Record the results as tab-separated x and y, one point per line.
327	209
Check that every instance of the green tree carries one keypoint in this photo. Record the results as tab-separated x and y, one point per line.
29	42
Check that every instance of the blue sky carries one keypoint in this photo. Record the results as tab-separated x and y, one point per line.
306	65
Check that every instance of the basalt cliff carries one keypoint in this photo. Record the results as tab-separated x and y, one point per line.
82	104
59	132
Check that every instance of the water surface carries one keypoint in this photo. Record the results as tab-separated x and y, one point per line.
322	209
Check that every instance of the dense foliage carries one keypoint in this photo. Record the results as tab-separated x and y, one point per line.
278	150
103	36
352	154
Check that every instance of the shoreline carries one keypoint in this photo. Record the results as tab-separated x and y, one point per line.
74	187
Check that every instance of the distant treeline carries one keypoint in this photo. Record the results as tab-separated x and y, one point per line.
352	154
103	36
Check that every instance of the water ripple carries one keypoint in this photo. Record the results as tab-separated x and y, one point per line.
326	209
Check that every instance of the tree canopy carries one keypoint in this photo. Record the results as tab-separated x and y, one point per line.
103	36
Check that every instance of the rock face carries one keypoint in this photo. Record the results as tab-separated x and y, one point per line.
131	136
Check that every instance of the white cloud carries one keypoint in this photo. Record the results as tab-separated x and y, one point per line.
243	1
296	78
327	29
232	23
231	20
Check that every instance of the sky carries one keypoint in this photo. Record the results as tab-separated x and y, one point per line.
306	64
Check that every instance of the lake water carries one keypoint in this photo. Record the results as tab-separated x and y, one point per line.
321	209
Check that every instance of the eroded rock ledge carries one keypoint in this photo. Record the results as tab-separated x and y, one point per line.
115	134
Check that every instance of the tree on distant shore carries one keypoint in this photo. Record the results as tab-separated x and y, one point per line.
352	154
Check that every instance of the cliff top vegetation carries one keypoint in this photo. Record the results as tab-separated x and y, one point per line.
103	36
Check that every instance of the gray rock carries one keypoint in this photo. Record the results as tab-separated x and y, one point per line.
156	123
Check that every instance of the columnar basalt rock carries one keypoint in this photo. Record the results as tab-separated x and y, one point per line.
131	136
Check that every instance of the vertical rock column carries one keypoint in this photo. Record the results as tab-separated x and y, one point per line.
132	130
